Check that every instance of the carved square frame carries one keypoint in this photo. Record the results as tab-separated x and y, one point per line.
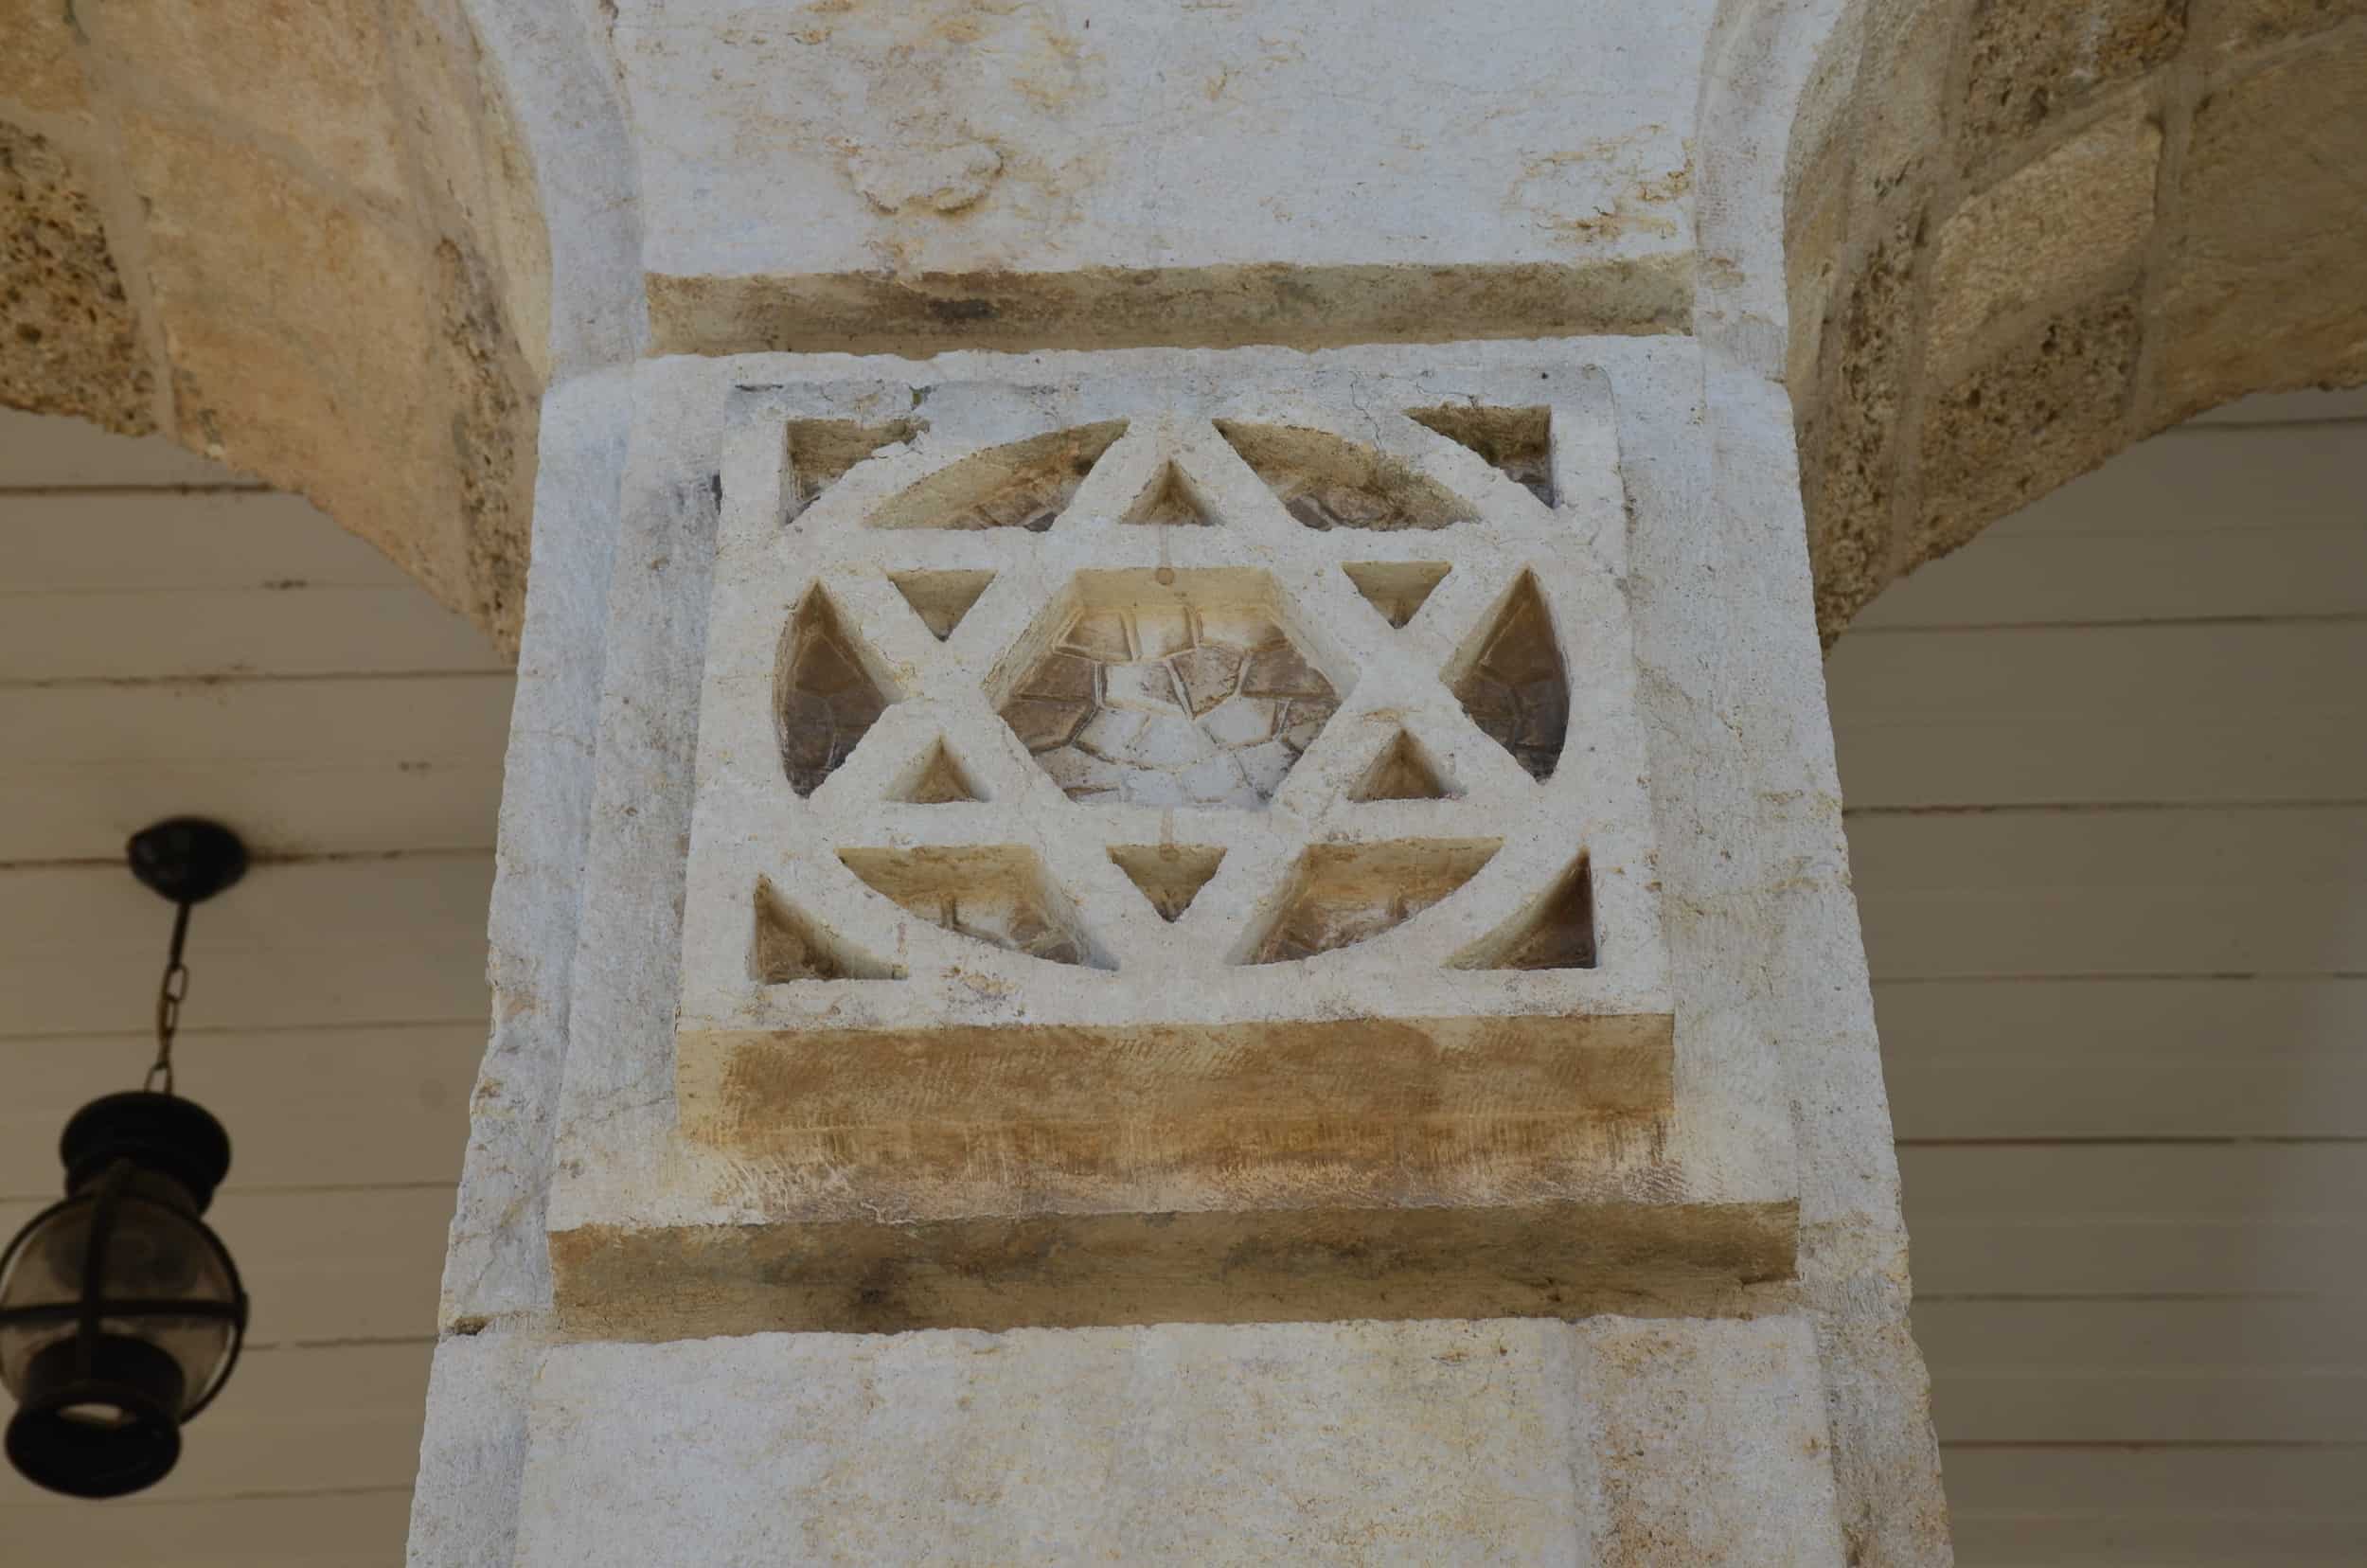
925	1129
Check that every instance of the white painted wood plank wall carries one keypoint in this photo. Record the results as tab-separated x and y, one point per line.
174	640
2106	773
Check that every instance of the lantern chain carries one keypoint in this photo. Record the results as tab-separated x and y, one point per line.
171	992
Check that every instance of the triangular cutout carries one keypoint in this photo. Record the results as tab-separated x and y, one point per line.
821	451
1514	685
1397	588
935	779
827	697
1401	772
1169	500
1517	442
1326	482
1020	485
1169	875
789	946
995	894
1343	894
1556	934
941	599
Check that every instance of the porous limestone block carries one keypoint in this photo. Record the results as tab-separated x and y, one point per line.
1617	1441
2063	229
1085	176
1171	842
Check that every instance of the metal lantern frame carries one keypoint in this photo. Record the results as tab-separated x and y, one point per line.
116	1340
94	1308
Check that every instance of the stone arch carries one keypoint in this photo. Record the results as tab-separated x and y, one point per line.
2018	236
340	244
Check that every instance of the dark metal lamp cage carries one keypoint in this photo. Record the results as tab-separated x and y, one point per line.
121	1314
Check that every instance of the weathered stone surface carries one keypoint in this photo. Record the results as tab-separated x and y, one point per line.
1710	1443
2231	27
1910	48
2066	227
2039	412
2268	285
2031	60
954	137
69	339
1852	454
1677	1442
40	68
310	74
487	393
476	179
303	331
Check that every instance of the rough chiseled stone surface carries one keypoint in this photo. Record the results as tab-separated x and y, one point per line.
1952	275
2031	60
69	341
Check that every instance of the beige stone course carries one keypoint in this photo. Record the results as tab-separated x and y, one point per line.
2033	59
2232	26
310	76
2037	413
40	67
2275	209
2060	229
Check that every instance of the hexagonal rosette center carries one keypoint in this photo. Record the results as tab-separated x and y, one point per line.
1188	691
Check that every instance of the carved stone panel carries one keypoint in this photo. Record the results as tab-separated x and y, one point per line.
1157	836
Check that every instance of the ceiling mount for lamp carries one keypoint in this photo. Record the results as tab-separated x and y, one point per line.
121	1314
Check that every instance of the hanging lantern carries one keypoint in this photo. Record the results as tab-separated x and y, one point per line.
120	1312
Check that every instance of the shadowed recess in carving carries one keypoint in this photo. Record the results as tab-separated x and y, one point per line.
1169	875
941	599
1517	442
825	697
1403	772
1343	894
936	777
1022	484
1194	699
1329	483
1555	932
1398	589
821	451
1514	685
995	894
1170	500
788	946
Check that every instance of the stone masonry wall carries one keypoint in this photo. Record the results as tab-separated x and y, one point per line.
302	238
2020	235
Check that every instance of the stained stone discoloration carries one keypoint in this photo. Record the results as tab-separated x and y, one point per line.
69	339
